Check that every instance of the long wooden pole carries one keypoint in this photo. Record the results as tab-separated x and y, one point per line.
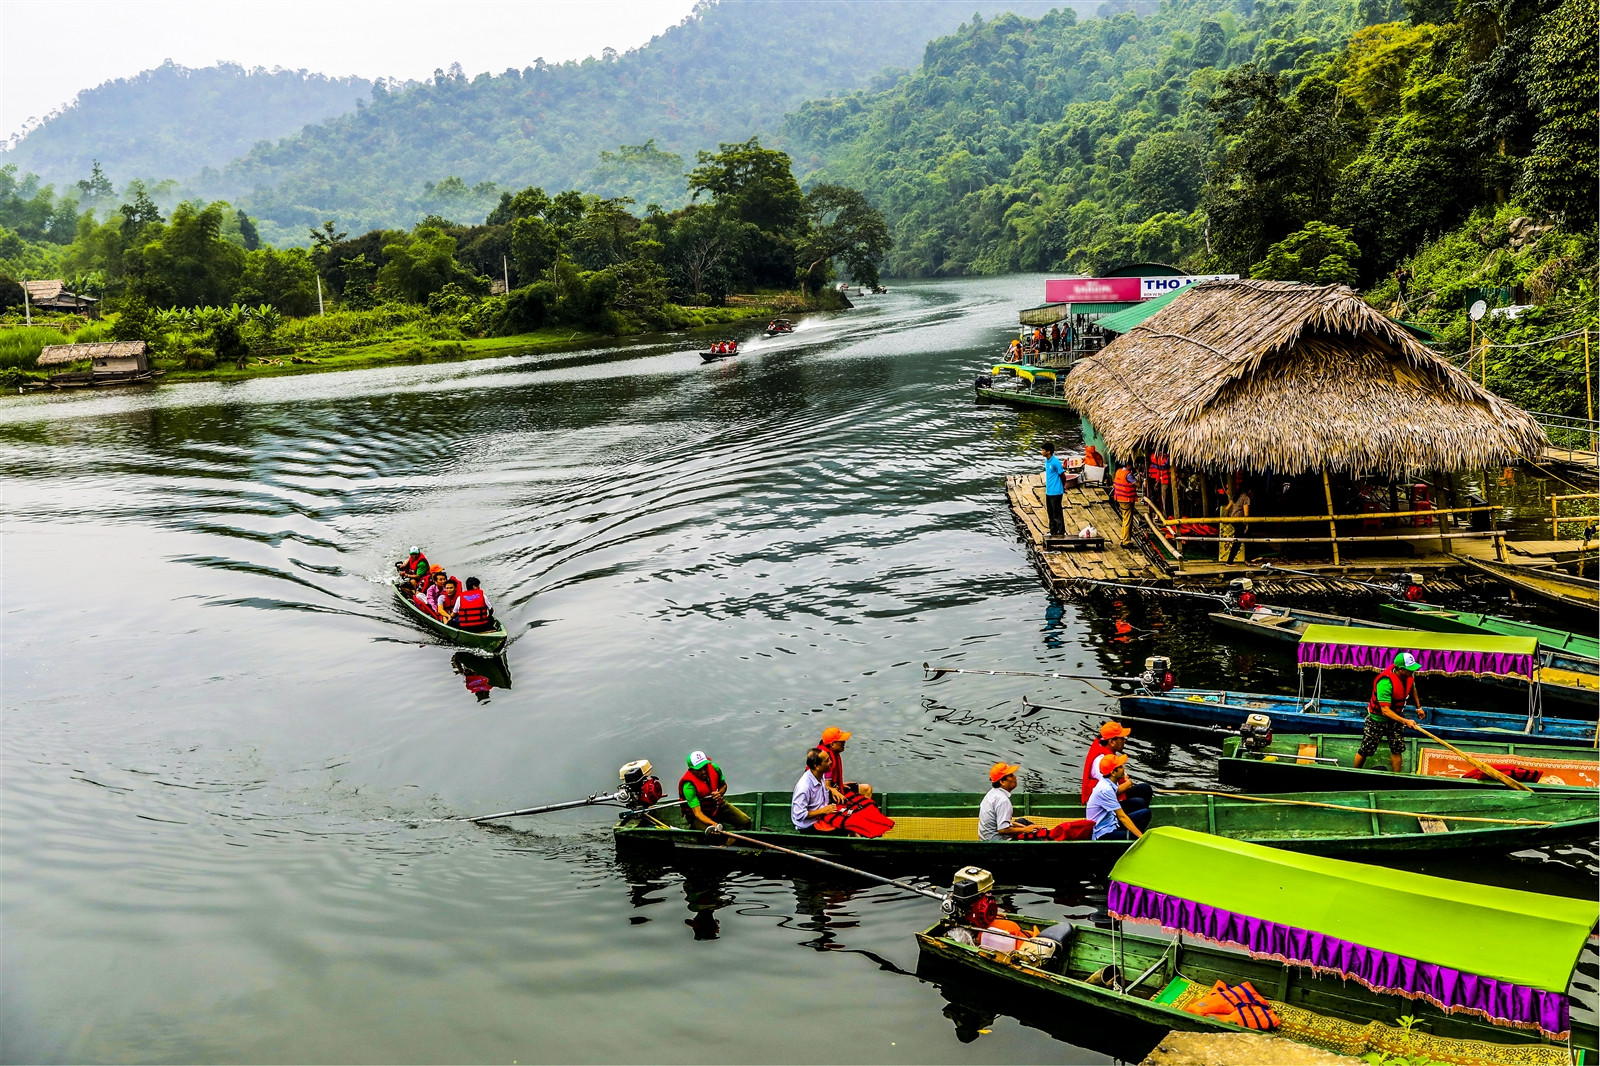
1588	391
1333	526
1258	519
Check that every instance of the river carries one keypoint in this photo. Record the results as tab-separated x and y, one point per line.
227	760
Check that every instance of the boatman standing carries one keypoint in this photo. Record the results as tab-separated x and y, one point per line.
1390	691
704	791
1055	483
1123	493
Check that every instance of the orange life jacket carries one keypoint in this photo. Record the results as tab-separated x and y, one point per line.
1399	686
1122	489
1160	471
472	610
1096	750
1240	1004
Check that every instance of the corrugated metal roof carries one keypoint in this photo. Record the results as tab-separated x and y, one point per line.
1123	321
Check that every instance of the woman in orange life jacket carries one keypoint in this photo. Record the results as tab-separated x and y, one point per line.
832	745
704	792
1124	492
1390	690
472	608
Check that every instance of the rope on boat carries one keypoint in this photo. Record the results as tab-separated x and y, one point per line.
1355	810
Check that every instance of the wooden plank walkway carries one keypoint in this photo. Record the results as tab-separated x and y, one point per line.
1073	571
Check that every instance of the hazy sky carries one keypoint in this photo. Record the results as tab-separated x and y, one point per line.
50	50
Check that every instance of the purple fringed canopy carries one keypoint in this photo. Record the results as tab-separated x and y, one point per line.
1478	654
1448	989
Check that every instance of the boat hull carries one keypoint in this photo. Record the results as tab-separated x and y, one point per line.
1562	589
1290	713
1283	770
1025	399
490	640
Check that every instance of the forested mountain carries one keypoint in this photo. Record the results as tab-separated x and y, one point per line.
172	121
450	145
1212	130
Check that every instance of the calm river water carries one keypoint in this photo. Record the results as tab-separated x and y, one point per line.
227	758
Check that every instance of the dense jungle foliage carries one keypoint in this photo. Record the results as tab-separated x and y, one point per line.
172	121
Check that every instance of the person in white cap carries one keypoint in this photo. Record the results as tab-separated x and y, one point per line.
1390	691
704	791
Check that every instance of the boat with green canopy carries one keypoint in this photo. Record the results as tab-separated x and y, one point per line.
941	828
1339	647
1335	950
1024	384
1298	762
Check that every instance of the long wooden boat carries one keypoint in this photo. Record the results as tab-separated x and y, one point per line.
1017	383
1198	706
1300	762
491	640
1578	646
940	829
1340	951
1567	590
1286	623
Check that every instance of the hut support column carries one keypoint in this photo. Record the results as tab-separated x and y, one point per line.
1333	527
1177	505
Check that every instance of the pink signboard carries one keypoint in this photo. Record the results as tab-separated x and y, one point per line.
1092	290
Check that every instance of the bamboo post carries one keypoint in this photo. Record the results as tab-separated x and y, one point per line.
1177	507
1588	392
1333	527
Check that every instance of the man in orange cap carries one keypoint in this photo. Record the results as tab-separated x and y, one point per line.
1135	796
994	813
832	745
1105	810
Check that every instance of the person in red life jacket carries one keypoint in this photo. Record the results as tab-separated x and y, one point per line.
832	745
1124	492
476	683
425	589
415	567
704	791
449	595
1390	691
472	608
1160	478
1135	796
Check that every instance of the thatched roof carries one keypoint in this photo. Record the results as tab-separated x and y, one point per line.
61	354
44	290
1276	375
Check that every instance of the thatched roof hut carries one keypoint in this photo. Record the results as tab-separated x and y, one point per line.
104	354
1292	378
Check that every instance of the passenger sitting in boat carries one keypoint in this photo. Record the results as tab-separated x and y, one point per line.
435	590
472	609
810	799
1390	691
449	595
415	568
1016	350
1111	821
704	789
832	745
425	586
994	813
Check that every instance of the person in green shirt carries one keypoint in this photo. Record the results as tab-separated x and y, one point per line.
704	792
1390	691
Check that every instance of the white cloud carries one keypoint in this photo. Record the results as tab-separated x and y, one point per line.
50	50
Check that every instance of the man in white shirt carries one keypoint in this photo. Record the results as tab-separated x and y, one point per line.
994	814
810	800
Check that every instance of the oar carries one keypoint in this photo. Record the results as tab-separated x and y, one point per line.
1397	589
934	673
1126	717
1226	601
1483	767
903	885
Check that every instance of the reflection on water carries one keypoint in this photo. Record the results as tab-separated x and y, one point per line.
229	762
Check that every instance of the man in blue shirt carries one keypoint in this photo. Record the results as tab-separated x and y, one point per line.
1055	483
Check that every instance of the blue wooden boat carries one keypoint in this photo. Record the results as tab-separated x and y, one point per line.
1371	650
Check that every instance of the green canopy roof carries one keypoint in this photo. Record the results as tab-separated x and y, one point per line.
1123	321
1478	654
1358	636
1525	938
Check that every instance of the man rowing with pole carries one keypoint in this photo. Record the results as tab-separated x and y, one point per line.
1384	721
704	791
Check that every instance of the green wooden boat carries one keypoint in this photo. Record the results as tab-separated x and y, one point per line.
1294	917
940	829
1445	620
1299	762
1023	385
490	640
1553	586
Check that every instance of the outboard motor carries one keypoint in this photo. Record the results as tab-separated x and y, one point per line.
1413	589
982	381
1242	591
971	899
639	789
1158	676
1256	733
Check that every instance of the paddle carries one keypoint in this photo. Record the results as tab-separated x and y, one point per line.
1482	767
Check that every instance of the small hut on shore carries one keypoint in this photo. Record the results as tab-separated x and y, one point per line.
112	362
1286	388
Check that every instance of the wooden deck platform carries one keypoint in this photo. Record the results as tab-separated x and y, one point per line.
1076	571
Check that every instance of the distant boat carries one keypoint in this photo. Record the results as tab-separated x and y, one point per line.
490	640
1554	586
711	356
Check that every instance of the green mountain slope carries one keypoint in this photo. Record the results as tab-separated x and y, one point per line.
729	71
172	121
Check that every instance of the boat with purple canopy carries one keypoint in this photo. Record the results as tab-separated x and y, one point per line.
1335	950
1337	647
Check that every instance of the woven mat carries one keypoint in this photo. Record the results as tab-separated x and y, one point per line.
1357	1039
1579	773
916	828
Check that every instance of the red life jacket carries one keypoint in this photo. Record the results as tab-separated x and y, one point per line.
417	565
1400	687
835	770
1122	489
856	816
703	788
472	610
476	683
1160	469
1096	751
